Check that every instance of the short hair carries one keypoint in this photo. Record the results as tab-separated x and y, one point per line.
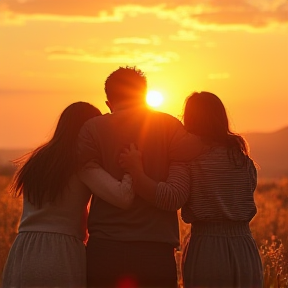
126	84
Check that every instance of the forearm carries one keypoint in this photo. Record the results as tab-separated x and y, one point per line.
106	187
87	146
174	193
144	186
170	195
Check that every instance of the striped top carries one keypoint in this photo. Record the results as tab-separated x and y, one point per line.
215	189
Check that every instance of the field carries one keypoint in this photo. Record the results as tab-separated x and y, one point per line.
269	227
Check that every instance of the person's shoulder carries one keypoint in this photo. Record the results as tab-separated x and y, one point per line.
164	117
91	126
251	163
210	155
96	120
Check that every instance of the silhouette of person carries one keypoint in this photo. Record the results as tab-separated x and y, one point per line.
49	250
134	246
215	192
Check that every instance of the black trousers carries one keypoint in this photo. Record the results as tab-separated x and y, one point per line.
130	264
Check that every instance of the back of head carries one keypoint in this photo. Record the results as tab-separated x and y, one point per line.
126	85
48	169
71	120
205	116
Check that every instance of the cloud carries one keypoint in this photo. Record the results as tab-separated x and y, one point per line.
245	15
184	35
201	15
12	17
152	61
153	40
226	15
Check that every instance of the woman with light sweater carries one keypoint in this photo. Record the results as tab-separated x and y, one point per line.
215	192
49	250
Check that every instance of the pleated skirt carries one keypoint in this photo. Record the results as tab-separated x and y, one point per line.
222	254
38	259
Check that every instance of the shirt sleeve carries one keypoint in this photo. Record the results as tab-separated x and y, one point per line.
184	146
103	185
253	174
88	147
173	194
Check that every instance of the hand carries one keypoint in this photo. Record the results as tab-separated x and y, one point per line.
131	160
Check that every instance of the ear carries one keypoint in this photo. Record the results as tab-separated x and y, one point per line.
109	105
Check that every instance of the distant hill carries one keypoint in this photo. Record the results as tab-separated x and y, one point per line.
269	150
8	155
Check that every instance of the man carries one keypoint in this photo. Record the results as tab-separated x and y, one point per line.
136	246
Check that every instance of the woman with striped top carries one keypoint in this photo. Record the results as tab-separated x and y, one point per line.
215	192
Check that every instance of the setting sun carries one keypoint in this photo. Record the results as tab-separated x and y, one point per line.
154	98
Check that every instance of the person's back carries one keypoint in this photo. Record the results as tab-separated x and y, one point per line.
67	215
154	132
221	251
215	192
221	190
143	230
220	207
49	250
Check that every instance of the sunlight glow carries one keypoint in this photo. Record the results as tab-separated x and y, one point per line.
154	98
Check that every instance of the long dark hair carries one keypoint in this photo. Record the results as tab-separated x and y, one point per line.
47	169
205	116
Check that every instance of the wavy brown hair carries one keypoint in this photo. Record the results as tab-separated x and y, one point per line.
45	172
205	116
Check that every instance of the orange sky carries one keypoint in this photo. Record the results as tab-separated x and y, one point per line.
53	53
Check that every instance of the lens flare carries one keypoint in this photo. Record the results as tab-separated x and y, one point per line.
154	98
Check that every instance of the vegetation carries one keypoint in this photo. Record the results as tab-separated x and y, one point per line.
10	211
269	228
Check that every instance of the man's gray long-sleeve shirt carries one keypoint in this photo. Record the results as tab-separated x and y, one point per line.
162	139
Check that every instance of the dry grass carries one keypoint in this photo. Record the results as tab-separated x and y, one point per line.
10	211
269	228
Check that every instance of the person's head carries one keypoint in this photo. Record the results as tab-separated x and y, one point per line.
205	116
47	170
125	87
71	120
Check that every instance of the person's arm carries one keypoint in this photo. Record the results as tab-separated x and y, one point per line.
253	173
131	161
106	187
87	144
174	193
170	195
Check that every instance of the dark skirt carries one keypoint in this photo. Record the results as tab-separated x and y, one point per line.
39	259
222	254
